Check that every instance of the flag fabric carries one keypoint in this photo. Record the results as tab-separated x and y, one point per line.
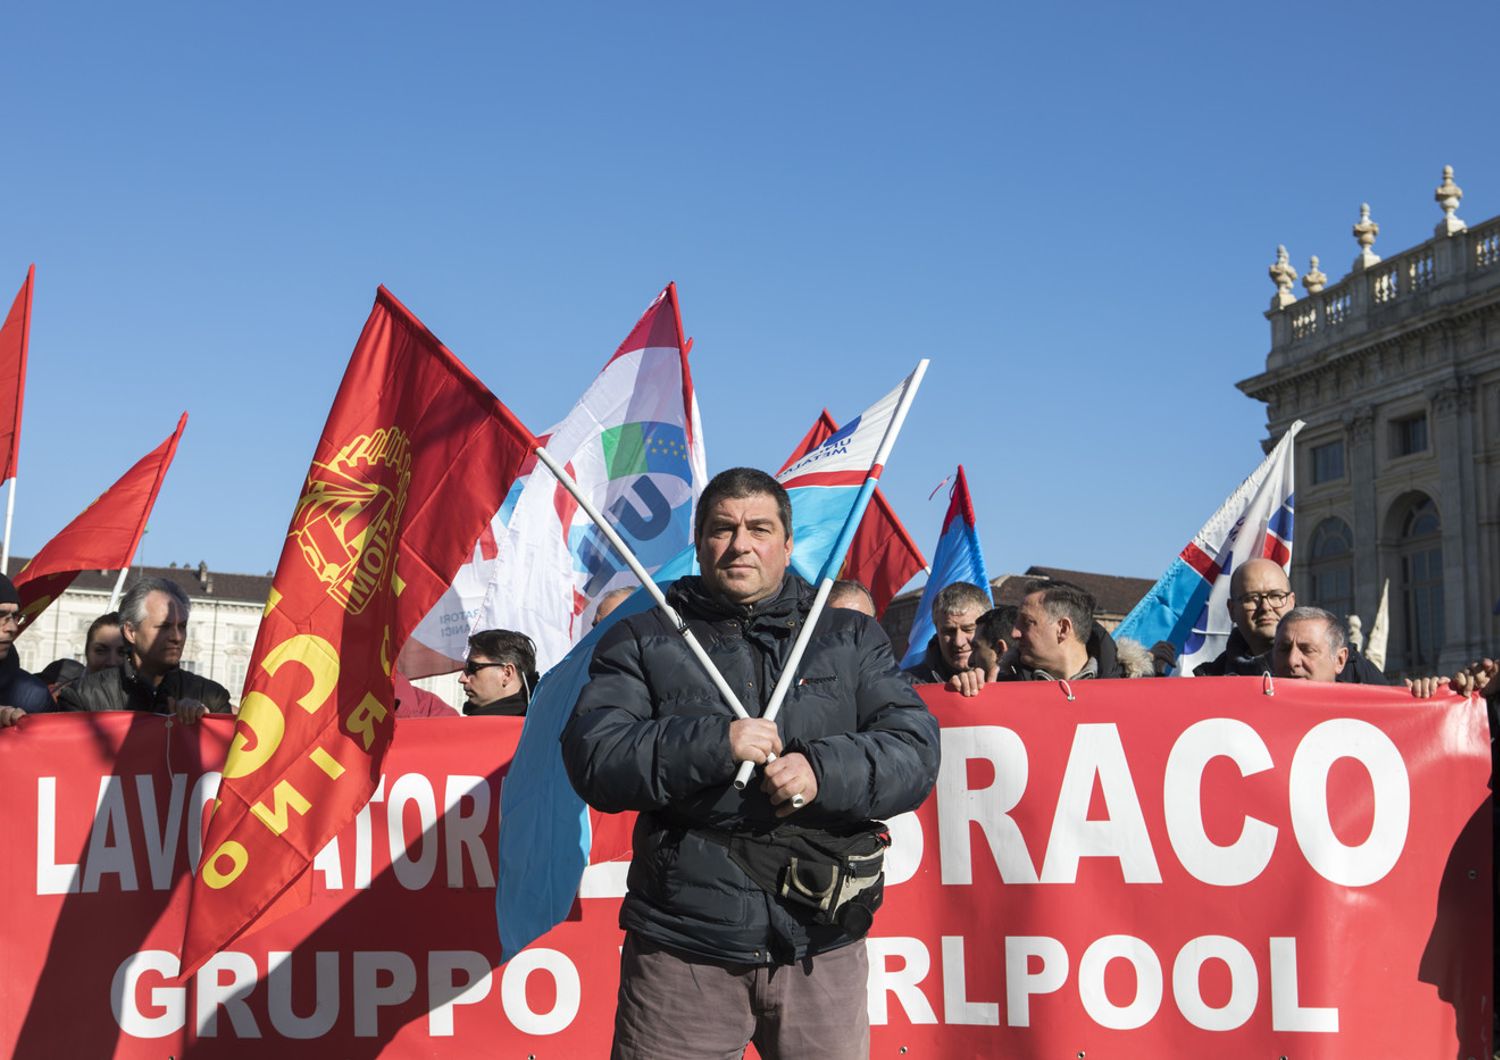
958	558
15	336
1380	629
1189	604
634	445
544	825
883	556
413	462
104	536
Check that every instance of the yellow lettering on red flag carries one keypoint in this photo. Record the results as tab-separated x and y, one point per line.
415	459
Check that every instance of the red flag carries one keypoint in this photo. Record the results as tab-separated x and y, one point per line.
415	458
15	334
883	557
103	537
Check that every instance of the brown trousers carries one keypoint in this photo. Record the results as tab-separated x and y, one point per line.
676	1007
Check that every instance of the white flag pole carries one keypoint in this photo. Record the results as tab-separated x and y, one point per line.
836	561
645	579
114	597
10	514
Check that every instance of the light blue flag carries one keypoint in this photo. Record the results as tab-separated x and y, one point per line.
958	559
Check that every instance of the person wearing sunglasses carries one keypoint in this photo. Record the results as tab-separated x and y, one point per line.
500	673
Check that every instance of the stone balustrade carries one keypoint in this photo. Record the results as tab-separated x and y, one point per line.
1377	294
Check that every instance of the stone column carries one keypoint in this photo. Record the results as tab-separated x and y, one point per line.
1454	470
1359	431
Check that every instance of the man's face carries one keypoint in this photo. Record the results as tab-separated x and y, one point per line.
1301	651
1264	596
156	643
1036	634
10	625
486	680
985	656
743	550
955	633
105	650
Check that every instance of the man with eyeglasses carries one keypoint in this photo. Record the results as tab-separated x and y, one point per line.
19	690
1259	595
499	675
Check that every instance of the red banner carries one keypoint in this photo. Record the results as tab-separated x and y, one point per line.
415	458
104	536
1159	868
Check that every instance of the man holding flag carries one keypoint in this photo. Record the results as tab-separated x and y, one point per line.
749	905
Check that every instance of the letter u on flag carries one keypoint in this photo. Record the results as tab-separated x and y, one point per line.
634	444
414	460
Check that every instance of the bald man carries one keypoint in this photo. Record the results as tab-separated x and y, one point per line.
1259	595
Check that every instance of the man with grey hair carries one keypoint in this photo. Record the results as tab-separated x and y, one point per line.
955	614
153	620
1259	596
1309	645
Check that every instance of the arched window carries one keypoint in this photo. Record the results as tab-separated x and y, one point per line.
1331	570
1421	551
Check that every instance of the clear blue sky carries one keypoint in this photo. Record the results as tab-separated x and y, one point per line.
1070	209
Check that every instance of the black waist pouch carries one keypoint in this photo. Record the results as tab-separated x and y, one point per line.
838	879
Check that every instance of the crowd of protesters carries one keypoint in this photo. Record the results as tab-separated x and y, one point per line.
132	657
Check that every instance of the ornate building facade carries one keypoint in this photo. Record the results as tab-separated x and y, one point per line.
1395	369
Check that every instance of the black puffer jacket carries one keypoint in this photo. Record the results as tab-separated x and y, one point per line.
1237	661
933	668
121	688
649	733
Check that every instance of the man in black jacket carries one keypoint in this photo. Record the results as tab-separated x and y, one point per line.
1259	596
18	688
153	620
714	959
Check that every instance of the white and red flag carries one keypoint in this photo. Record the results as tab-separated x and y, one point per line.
634	443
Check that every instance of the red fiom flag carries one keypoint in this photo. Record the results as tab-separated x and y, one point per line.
883	557
15	334
415	458
103	537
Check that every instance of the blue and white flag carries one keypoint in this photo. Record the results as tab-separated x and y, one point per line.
958	559
1189	604
544	825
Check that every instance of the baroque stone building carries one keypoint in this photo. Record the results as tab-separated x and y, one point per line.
1396	370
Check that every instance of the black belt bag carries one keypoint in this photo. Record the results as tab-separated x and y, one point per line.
839	879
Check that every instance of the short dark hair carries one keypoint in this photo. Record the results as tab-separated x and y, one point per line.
1061	599
739	482
846	587
959	596
111	618
507	646
996	624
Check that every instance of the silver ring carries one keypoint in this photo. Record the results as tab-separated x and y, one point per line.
798	802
